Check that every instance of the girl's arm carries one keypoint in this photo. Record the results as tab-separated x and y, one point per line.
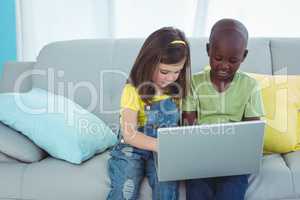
189	118
132	136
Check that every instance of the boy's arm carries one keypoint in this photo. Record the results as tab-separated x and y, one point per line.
254	109
189	118
189	108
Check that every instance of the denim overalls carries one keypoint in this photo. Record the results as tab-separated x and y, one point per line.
128	165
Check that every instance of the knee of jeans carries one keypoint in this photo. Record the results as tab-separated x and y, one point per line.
128	189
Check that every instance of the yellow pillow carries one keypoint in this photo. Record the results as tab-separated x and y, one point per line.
298	131
281	97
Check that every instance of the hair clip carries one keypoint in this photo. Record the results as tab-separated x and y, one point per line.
178	42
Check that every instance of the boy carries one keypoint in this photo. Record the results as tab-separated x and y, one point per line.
222	94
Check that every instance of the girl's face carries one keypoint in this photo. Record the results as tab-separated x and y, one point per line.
166	74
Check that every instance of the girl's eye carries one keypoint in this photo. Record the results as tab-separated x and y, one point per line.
167	72
163	72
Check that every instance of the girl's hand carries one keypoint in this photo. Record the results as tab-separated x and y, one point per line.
132	136
155	145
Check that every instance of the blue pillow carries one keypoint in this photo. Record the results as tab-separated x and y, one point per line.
56	124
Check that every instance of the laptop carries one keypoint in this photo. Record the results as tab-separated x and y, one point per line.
202	151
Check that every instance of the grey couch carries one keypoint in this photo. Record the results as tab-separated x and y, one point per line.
95	71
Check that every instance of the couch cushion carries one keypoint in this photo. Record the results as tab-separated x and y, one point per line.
87	181
293	162
11	180
284	55
281	98
56	124
274	181
5	158
259	57
17	146
54	179
257	61
89	85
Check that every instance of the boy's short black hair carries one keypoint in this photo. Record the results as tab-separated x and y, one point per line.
228	25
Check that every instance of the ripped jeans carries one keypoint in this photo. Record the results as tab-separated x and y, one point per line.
128	165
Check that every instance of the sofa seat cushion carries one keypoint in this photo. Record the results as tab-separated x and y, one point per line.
52	179
274	180
90	180
11	180
293	161
18	146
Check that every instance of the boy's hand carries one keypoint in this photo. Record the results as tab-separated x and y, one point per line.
189	118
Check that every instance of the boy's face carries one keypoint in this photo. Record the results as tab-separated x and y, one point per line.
226	52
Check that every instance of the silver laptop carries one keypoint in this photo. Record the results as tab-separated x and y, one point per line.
209	150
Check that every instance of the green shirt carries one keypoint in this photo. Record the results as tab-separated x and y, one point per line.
241	98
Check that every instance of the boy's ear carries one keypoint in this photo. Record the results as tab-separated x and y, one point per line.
245	54
207	48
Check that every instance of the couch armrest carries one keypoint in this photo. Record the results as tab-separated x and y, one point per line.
16	73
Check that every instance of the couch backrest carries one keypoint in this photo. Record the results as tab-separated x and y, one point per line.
285	55
93	72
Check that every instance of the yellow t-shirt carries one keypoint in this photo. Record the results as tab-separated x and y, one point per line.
132	100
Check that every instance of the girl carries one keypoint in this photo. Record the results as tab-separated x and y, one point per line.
158	81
